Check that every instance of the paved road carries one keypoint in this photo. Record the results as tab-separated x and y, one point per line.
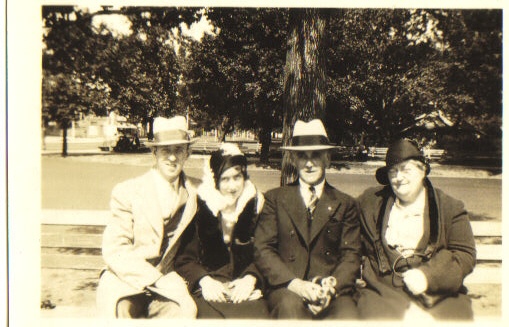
74	184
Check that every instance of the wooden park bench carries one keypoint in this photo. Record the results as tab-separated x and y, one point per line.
431	154
205	146
72	239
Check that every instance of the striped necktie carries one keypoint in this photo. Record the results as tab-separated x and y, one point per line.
312	200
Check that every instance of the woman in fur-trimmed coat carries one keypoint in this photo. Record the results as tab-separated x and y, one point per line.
216	253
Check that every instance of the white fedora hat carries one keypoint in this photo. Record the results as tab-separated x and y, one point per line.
169	131
309	136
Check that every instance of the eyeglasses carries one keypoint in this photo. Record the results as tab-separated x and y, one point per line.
406	170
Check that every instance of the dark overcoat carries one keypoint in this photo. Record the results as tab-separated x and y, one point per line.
203	251
285	248
447	258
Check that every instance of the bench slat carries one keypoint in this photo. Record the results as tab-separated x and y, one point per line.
100	217
484	275
69	261
88	241
75	217
71	229
489	252
486	228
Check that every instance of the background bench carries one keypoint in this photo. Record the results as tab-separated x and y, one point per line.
72	240
432	154
206	146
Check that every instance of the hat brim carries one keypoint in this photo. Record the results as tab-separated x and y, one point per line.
381	176
164	143
307	147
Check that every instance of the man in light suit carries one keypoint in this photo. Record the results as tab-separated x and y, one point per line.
307	242
148	215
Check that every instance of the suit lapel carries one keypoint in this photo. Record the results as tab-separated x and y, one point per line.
294	206
189	194
326	207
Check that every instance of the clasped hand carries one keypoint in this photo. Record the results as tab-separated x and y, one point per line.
415	281
317	297
236	291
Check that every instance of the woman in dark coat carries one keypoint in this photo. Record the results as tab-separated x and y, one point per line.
216	254
418	244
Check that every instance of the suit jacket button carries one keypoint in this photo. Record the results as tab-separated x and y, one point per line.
328	231
292	257
292	233
327	253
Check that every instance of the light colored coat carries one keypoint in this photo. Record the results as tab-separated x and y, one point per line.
132	240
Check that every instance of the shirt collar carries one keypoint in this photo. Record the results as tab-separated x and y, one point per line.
304	187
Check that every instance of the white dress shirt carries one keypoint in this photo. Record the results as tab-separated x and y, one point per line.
305	192
406	224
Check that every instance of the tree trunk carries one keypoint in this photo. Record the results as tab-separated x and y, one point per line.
223	129
64	140
264	137
150	134
304	81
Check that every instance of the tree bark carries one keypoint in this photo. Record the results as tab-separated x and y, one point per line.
304	82
64	140
264	136
223	129
150	134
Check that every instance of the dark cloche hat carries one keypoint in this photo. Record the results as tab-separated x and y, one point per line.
399	151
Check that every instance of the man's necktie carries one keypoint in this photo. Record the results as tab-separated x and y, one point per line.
311	206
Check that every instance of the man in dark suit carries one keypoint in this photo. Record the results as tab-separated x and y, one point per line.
307	242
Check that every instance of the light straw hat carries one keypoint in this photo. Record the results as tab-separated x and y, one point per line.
309	136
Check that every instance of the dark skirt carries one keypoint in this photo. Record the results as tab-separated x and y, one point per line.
385	298
245	310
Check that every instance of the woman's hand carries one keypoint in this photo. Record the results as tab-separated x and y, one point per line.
415	281
212	290
241	289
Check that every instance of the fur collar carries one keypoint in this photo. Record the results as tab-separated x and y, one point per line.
216	202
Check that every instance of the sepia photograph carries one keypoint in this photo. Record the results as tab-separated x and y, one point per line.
242	163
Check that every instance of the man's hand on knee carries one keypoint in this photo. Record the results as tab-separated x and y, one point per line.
308	291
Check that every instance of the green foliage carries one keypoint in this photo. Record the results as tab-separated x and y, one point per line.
234	77
383	68
387	67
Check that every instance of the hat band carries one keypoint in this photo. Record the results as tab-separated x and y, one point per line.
306	140
171	135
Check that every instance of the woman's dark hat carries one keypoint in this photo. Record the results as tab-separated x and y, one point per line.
399	151
228	155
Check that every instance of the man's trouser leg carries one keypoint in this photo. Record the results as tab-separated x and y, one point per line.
285	304
134	306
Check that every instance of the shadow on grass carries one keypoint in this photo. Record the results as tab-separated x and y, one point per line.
88	286
340	165
493	165
89	154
